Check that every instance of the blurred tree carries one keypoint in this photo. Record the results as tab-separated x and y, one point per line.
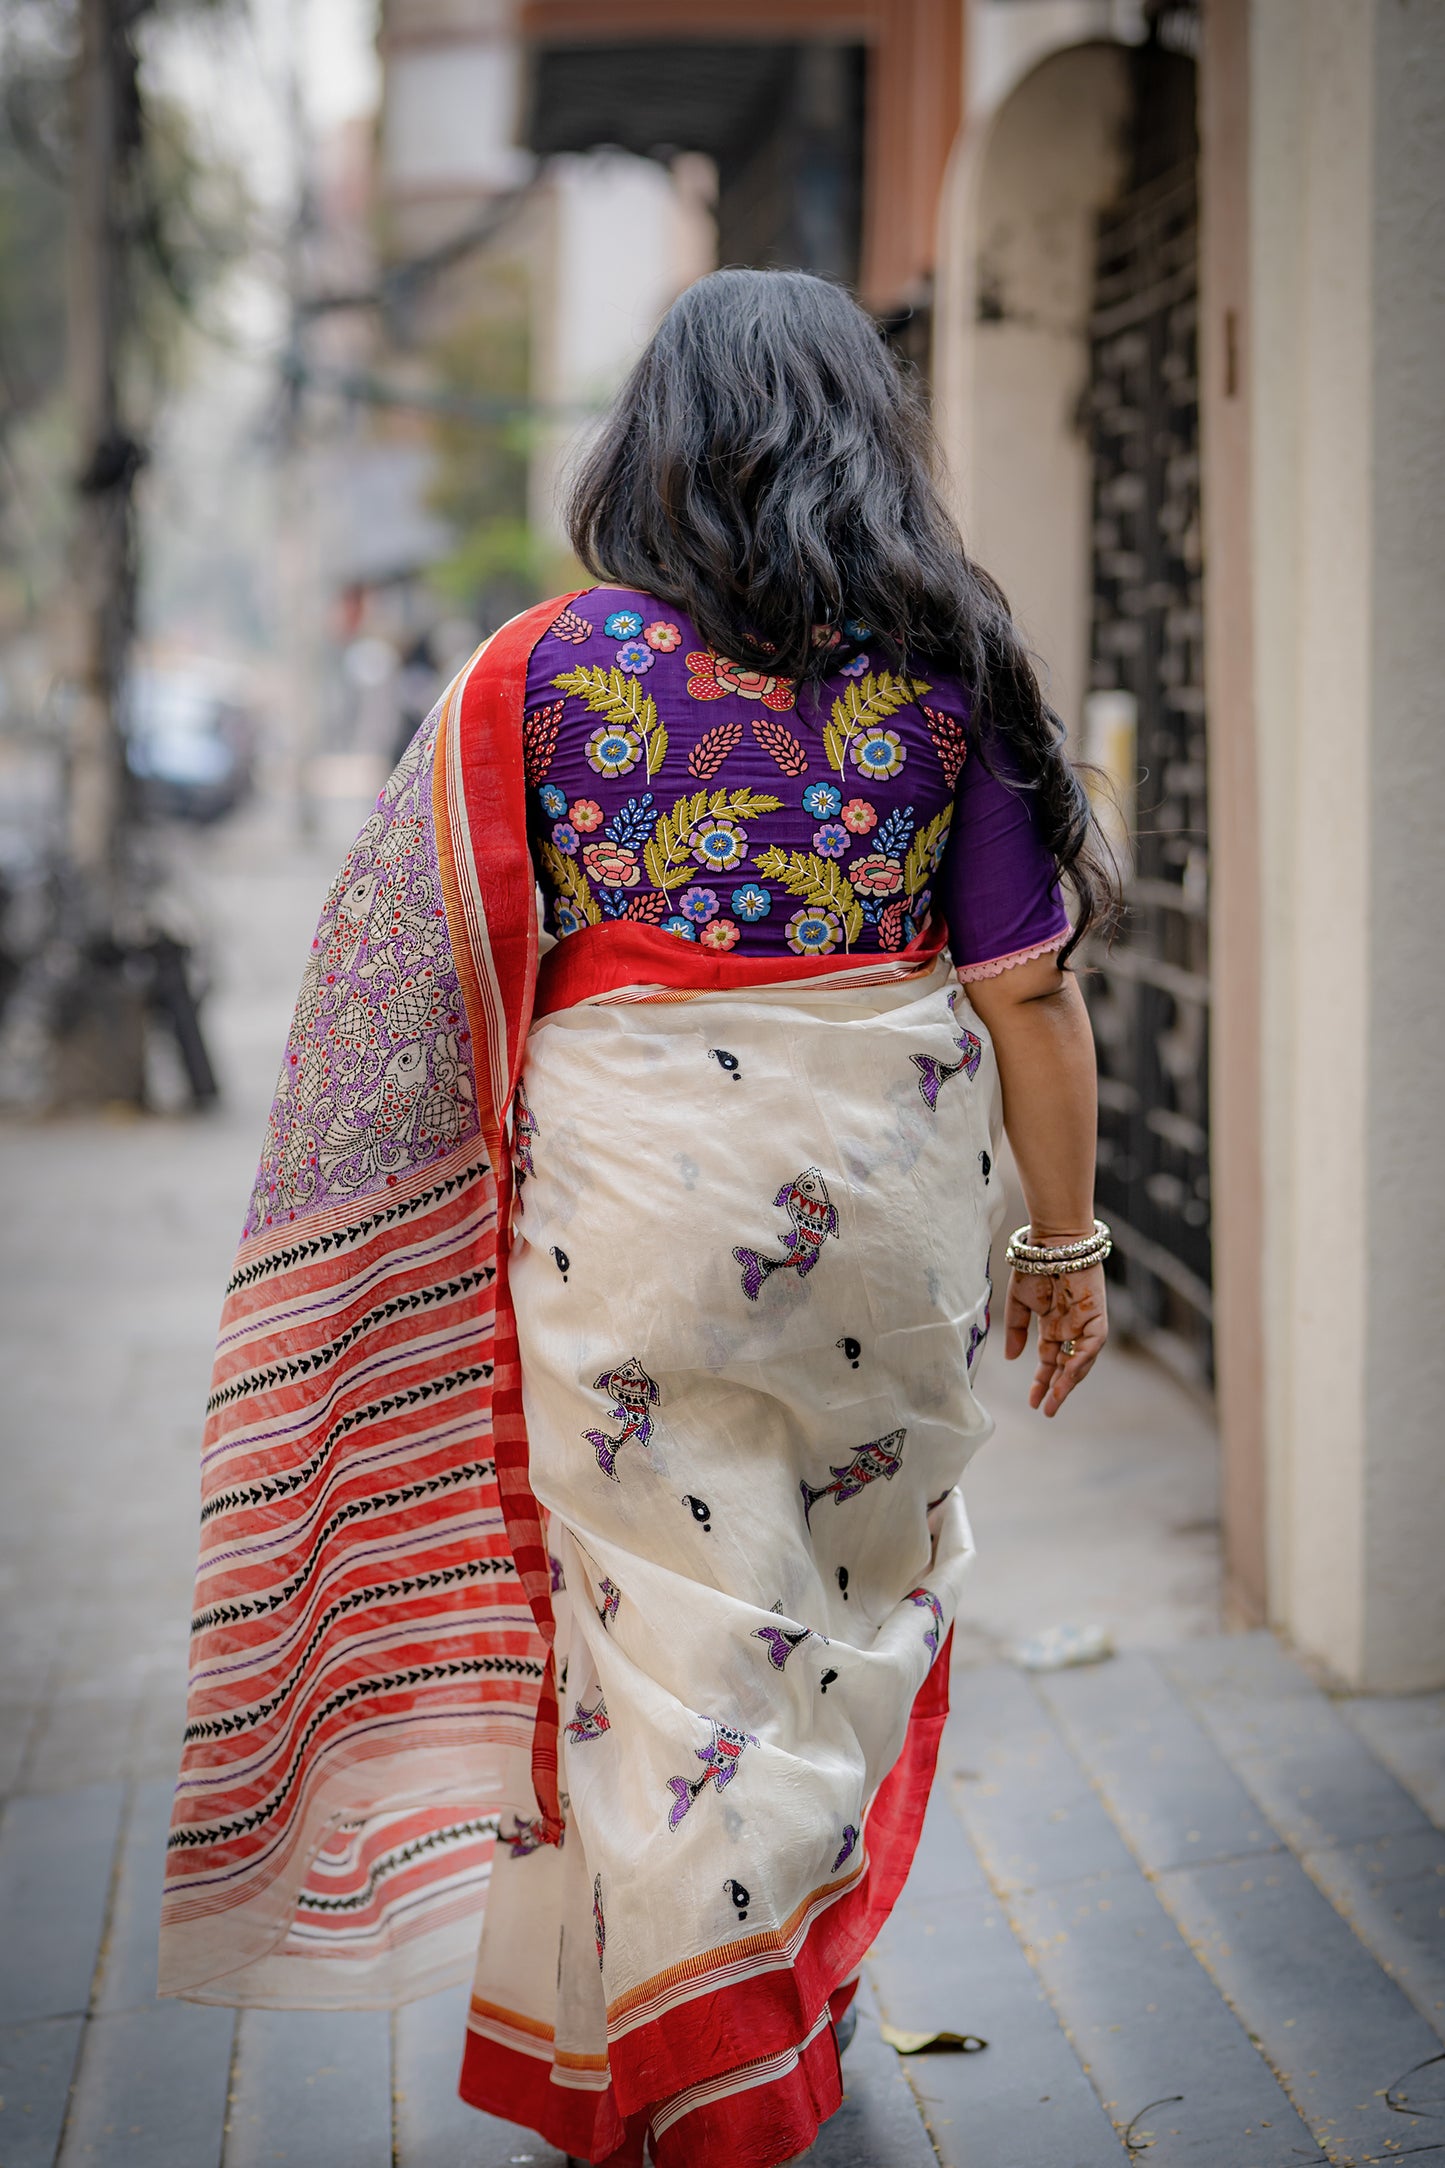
108	230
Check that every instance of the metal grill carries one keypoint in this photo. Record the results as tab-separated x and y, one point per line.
1150	998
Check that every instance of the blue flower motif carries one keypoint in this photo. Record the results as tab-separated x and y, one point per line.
622	625
751	902
858	667
554	801
564	835
680	926
635	656
855	628
832	840
822	800
631	823
699	904
568	920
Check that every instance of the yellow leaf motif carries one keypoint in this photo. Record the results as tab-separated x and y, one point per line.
925	853
868	701
668	854
570	881
617	696
820	883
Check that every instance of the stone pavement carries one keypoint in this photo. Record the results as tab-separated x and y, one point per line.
1192	1901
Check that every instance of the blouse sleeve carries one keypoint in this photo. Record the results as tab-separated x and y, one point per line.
999	885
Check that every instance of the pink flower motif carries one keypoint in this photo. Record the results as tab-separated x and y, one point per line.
876	875
721	934
611	865
698	904
857	816
711	676
662	636
858	667
585	815
830	841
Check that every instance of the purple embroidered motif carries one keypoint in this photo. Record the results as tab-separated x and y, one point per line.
721	1756
814	1218
633	1394
377	1080
881	1459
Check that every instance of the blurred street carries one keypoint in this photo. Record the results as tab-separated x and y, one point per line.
1192	1903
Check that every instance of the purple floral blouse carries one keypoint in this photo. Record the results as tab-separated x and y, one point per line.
669	785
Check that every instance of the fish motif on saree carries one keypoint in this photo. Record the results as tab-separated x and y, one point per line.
406	1543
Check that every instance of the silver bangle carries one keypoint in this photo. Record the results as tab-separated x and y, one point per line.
1048	1260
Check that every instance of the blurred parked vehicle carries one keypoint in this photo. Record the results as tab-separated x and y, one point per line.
190	743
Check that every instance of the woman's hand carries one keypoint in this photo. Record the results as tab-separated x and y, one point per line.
1072	1311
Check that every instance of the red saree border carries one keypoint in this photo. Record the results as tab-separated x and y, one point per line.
706	2037
599	960
489	885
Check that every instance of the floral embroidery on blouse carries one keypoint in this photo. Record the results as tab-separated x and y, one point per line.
778	821
712	676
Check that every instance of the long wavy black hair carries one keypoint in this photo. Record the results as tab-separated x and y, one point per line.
769	469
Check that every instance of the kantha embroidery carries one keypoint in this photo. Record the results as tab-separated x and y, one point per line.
589	1723
933	1073
882	1457
814	1218
722	1755
928	1601
633	1393
781	1642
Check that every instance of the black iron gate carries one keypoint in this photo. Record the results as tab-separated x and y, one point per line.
1150	997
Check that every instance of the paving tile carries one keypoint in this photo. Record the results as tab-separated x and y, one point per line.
434	2127
945	1864
879	2121
1152	2030
1407	1731
1392	1892
36	2062
311	2088
1032	1813
126	1976
1023	2101
151	2091
55	1869
1166	1784
18	1720
83	1738
1308	1768
1337	2030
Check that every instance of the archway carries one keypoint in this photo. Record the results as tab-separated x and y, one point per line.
1069	403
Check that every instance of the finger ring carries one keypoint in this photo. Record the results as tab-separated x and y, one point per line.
1067	1347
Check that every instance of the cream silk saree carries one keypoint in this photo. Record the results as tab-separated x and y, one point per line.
580	1532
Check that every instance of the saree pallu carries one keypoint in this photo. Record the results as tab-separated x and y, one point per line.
591	1584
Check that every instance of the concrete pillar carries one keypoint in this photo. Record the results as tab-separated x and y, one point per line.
1346	328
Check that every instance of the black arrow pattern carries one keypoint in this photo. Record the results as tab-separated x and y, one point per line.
405	1682
387	1501
385	1313
281	1486
345	1238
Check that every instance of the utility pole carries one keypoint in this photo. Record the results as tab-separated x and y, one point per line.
99	1038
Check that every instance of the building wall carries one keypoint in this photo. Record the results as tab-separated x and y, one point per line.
1011	361
1323	327
1348	179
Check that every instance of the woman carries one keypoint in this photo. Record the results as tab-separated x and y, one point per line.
582	1531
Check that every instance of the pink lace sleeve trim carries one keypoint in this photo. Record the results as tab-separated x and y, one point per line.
997	965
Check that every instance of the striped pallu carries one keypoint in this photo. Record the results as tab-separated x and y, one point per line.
370	1640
